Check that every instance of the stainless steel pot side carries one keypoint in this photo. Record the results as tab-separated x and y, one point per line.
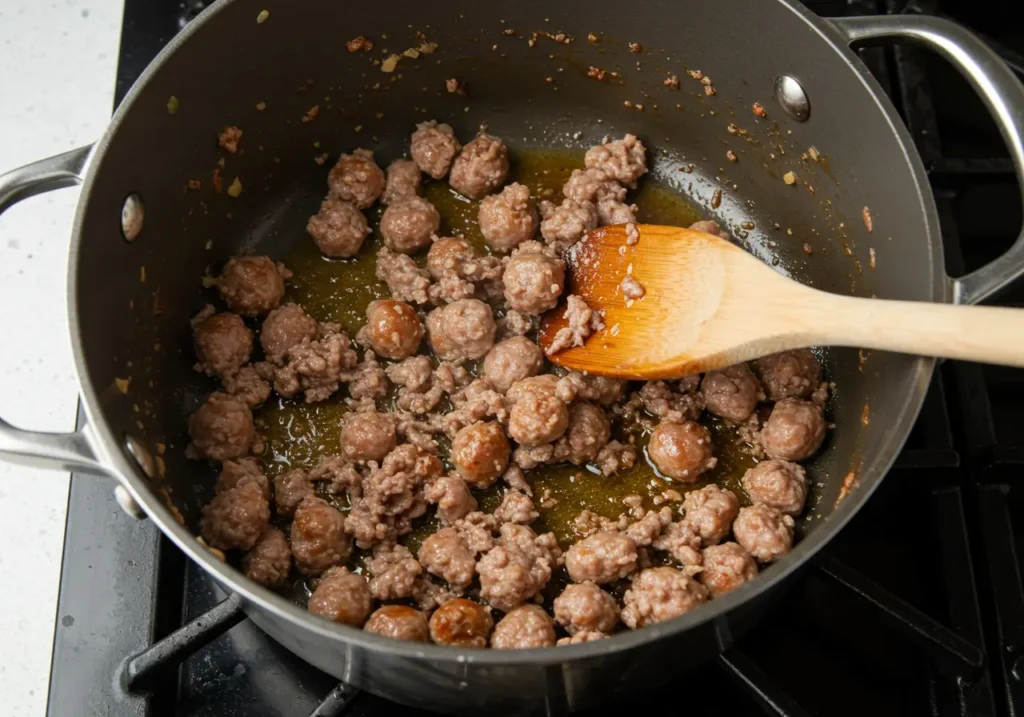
225	62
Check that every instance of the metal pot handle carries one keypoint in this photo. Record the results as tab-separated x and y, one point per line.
58	451
1002	94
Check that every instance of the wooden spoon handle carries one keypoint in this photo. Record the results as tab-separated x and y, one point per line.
986	334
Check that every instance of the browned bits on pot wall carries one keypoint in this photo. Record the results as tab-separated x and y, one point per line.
866	214
311	113
596	73
453	85
229	138
359	43
671	81
636	47
759	110
731	156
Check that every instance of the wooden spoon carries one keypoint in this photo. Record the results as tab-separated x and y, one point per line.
709	304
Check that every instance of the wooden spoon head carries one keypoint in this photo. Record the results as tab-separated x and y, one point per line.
687	320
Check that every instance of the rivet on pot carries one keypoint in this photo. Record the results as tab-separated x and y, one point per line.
143	458
791	98
133	215
127	503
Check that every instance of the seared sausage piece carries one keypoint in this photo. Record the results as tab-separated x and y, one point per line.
794	430
290	489
222	341
524	627
480	453
433	148
682	451
511	360
235	518
764	532
338	229
356	178
780	484
318	537
463	329
725	568
285	327
731	393
408	224
624	160
403	181
393	329
710	512
367	436
601	558
660	594
584	607
252	285
461	623
270	560
221	428
343	597
480	167
399	622
789	374
509	218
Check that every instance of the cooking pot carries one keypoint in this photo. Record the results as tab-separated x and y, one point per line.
861	202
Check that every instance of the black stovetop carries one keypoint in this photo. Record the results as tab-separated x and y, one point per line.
916	608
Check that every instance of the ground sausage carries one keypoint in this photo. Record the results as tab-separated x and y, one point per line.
592	185
682	451
480	453
537	418
731	393
602	390
446	555
447	255
290	489
566	223
588	432
403	181
367	436
338	229
794	430
509	218
399	622
480	167
611	212
285	327
710	511
660	594
356	178
433	147
518	568
252	285
780	484
726	567
463	329
222	428
602	558
452	496
318	536
222	341
461	623
764	532
580	637
395	572
789	374
408	224
584	607
516	507
270	560
236	517
343	597
392	329
533	279
675	401
512	360
245	470
624	160
524	627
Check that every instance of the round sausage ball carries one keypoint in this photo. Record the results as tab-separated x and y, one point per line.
290	489
660	594
399	622
731	393
318	536
446	555
480	453
338	229
343	597
367	436
221	428
461	623
584	607
588	432
780	484
624	160
393	330
512	360
509	218
285	327
545	384
480	167
447	255
681	451
794	430
403	181
522	628
463	329
408	224
789	374
452	496
764	532
533	280
565	224
537	418
592	185
223	344
270	560
725	568
610	212
710	512
356	178
235	518
245	470
433	148
252	285
601	558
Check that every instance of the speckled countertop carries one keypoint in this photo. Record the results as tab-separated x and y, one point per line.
57	67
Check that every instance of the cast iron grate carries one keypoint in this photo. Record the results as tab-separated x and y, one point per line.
917	607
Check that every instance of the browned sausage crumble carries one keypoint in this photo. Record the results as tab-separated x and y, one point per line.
449	407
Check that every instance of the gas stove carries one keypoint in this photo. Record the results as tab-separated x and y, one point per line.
916	608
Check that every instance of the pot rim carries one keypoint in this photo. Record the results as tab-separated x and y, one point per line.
256	597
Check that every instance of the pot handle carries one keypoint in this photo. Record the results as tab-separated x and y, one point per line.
1002	94
58	451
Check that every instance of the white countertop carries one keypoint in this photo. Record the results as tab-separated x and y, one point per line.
57	68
